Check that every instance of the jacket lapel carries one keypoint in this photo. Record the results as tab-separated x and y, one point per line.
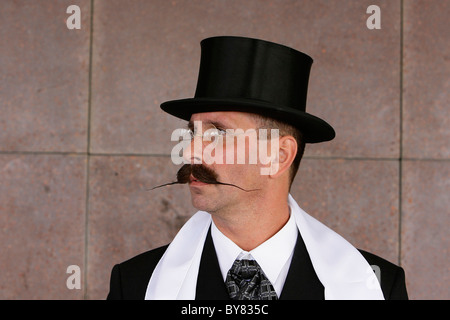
210	284
302	282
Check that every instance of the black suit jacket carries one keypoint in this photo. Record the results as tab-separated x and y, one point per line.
129	279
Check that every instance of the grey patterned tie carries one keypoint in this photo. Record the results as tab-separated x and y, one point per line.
246	281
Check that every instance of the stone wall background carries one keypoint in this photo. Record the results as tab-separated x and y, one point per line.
82	136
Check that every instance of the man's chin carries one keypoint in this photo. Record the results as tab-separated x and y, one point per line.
200	204
202	199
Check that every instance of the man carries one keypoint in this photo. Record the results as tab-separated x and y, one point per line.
250	239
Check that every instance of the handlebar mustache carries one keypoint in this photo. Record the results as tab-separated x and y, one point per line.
200	173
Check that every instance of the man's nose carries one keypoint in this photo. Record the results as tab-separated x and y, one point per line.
193	153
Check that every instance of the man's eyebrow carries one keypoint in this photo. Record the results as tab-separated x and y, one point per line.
217	124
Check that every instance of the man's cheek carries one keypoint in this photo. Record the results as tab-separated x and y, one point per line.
213	153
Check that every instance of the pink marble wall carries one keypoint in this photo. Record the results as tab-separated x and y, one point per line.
82	136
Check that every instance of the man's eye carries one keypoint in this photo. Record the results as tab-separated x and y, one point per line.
220	132
214	132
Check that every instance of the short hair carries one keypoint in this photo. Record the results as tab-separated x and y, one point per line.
285	129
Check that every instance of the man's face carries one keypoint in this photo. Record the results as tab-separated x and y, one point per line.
222	158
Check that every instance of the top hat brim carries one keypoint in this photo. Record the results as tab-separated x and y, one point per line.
313	129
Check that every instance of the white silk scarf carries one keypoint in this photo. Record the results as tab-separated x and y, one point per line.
340	267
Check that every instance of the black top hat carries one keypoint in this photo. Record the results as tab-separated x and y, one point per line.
250	75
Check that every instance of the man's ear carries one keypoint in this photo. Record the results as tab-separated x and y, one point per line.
281	161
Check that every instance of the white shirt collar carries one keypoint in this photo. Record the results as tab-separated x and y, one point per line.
341	268
272	255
